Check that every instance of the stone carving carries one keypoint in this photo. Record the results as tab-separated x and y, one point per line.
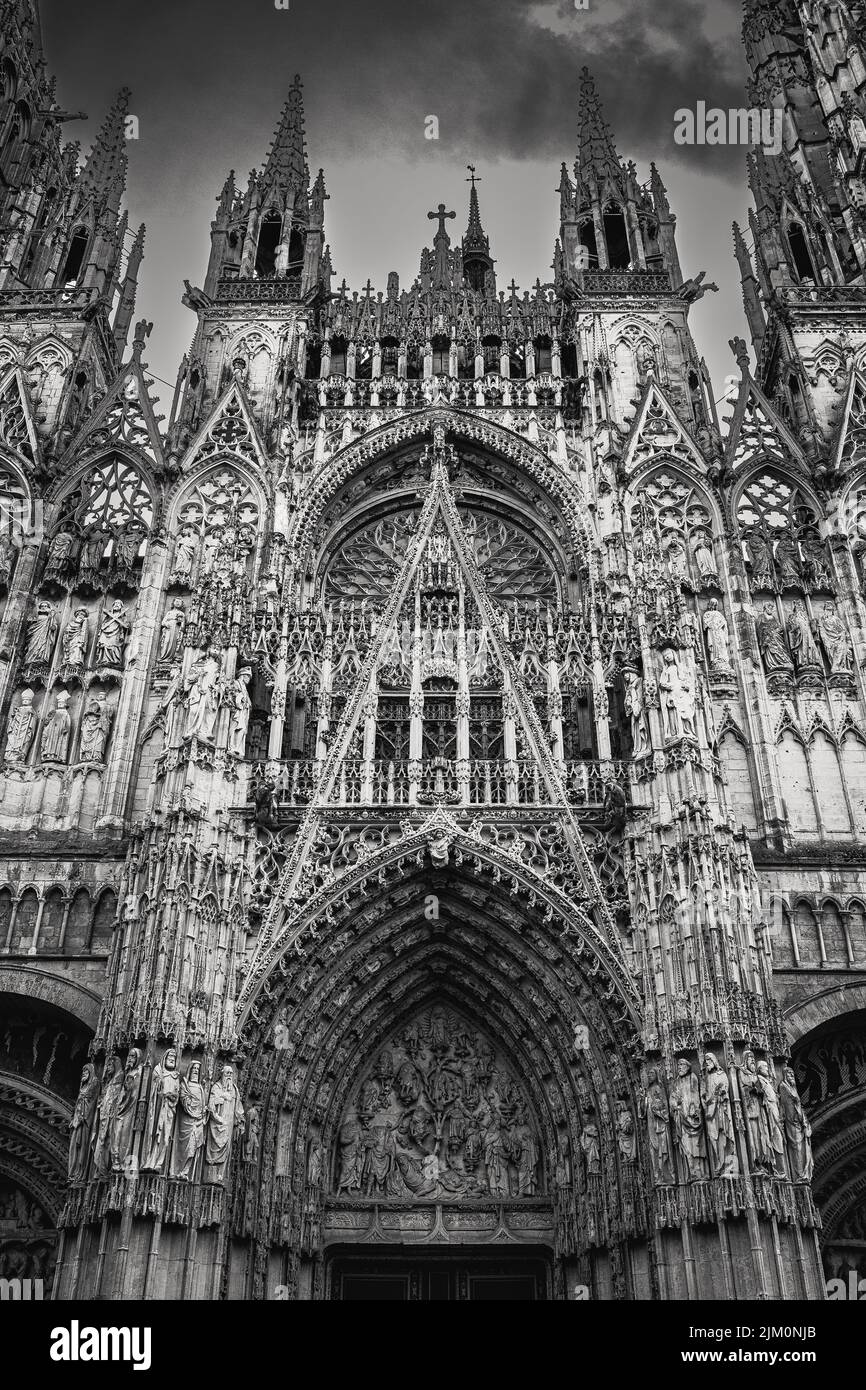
438	1115
225	1118
112	1081
189	1129
92	550
678	696
797	1129
202	706
658	1125
718	640
75	639
720	1125
170	709
112	637
634	708
54	745
835	641
172	629
127	544
8	552
41	635
62	555
252	1138
161	1112
800	639
761	1110
82	1122
95	729
705	561
184	558
238	700
788	568
771	642
124	1116
626	1137
759	548
591	1146
22	727
688	1121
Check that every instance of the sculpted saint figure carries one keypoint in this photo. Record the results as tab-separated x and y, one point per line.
771	1119
124	1117
42	635
95	728
678	697
718	638
92	551
589	1142
112	1080
688	1121
54	746
224	1112
161	1111
797	1129
760	549
82	1120
75	638
111	638
189	1134
201	713
351	1161
172	630
658	1123
252	1140
184	558
720	1125
771	641
704	558
22	726
634	708
238	700
788	561
62	554
835	641
800	639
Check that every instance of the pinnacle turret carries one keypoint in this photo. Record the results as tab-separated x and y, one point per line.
104	174
286	163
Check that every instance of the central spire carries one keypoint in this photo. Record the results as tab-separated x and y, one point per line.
287	160
596	151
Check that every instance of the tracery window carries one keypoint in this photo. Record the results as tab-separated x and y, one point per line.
672	521
782	545
217	524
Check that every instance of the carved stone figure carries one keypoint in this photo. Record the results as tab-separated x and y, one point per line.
678	697
42	635
189	1129
82	1122
252	1138
184	558
351	1159
788	565
800	639
124	1118
634	708
816	568
797	1129
591	1146
752	1096
95	728
688	1122
112	1081
626	1137
720	1125
92	550
760	558
127	544
771	1120
835	641
225	1114
171	711
238	701
54	746
705	561
172	629
112	636
62	554
718	639
658	1124
202	707
771	642
75	639
161	1112
22	726
7	558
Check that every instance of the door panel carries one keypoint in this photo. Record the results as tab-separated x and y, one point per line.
443	1278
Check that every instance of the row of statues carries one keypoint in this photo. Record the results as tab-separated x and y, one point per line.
191	704
793	559
792	646
58	732
76	559
154	1119
109	648
696	1119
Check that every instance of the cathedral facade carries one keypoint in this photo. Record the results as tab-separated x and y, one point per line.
433	803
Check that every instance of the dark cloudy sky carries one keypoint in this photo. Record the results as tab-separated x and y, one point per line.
209	77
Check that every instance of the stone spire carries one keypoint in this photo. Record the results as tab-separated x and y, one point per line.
286	163
104	174
597	154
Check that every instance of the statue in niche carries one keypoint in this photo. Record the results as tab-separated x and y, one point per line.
161	1111
678	697
92	550
225	1114
800	639
835	641
62	555
759	547
189	1130
127	544
705	561
771	642
591	1146
41	635
689	1122
815	564
788	566
634	708
82	1122
201	701
771	1118
658	1123
796	1127
112	1081
54	746
124	1118
75	639
95	729
112	637
7	559
718	639
185	552
720	1125
171	632
753	1105
252	1138
351	1159
170	709
240	706
677	561
22	726
625	1134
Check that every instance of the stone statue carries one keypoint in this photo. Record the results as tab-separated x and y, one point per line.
224	1113
112	636
92	551
75	639
62	554
677	561
314	1164
184	558
705	561
771	1120
688	1122
771	642
351	1158
800	639
82	1122
161	1111
22	726
634	708
762	568
202	696
123	1121
252	1139
238	701
797	1129
95	728
589	1142
171	631
42	635
720	1125
127	544
718	639
815	565
658	1124
835	641
189	1130
678	697
788	565
54	746
170	709
625	1134
7	558
112	1080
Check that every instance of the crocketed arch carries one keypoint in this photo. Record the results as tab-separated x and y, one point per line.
552	486
201	480
114	487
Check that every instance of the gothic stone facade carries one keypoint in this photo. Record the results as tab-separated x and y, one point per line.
433	810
